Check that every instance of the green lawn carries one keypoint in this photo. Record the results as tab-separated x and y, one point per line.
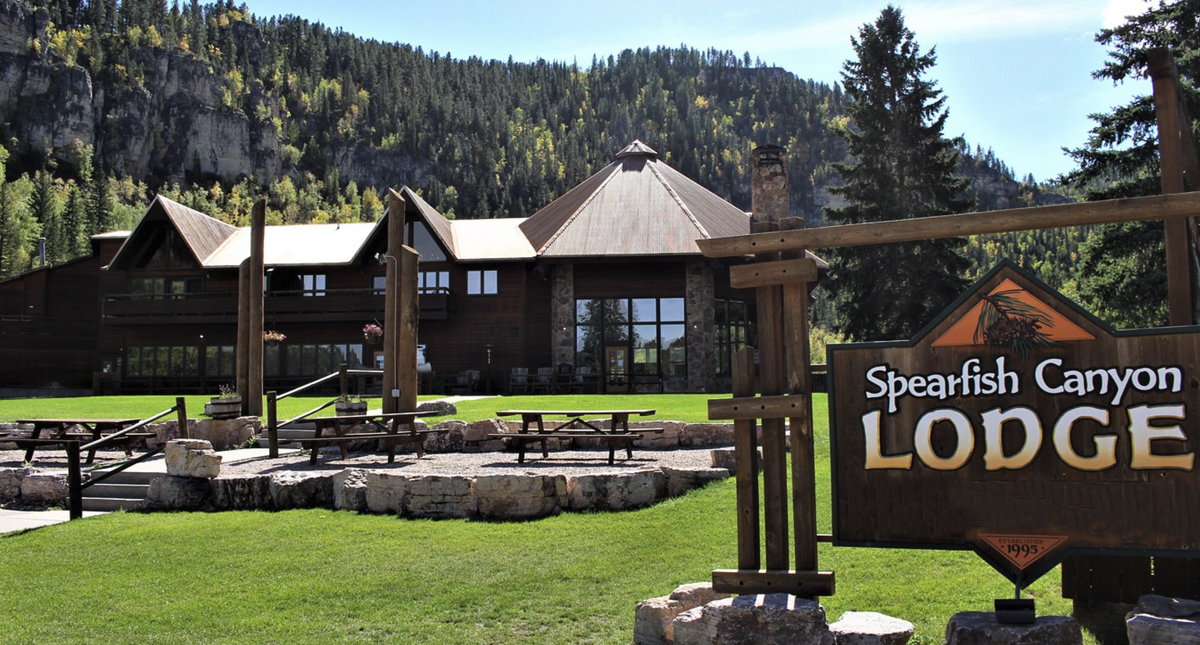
329	577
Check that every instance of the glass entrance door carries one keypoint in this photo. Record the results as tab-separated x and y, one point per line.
617	375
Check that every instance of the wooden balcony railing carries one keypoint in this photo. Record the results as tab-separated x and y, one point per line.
279	306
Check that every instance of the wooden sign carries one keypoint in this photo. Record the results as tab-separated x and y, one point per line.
1022	427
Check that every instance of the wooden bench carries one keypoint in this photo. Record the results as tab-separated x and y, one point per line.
614	440
389	432
617	435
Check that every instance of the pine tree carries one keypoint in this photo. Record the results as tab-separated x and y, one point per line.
902	168
1119	276
99	204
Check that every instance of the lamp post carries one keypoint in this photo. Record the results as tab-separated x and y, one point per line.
489	347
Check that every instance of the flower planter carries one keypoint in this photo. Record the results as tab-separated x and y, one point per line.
224	408
348	408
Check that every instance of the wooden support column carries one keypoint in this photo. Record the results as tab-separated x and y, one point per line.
391	306
747	466
1177	151
408	316
799	385
252	398
242	379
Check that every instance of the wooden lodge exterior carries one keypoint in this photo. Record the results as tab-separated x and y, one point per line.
607	277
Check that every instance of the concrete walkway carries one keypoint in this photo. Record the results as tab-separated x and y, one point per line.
23	520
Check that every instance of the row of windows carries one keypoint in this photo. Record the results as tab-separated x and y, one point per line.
220	361
652	328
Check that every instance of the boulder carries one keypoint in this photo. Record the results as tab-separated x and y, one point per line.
241	493
1159	620
666	440
694	594
10	482
616	491
441	497
443	408
448	438
350	490
387	492
227	434
706	434
302	490
520	497
870	628
652	624
192	458
981	628
682	480
475	436
171	493
165	432
773	619
44	488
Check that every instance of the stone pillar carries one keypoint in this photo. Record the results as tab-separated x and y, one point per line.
768	184
562	314
701	327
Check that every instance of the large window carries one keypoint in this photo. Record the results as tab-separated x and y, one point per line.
219	360
482	283
735	329
161	287
653	328
163	361
313	284
165	250
436	281
418	236
318	360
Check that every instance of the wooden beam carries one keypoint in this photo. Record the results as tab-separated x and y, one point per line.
253	403
242	361
746	469
774	443
929	228
752	407
1172	123
408	316
806	584
781	272
391	304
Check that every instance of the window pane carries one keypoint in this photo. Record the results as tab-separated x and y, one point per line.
489	282
379	284
270	361
293	360
474	283
616	311
644	310
423	241
672	309
443	279
588	312
133	362
616	333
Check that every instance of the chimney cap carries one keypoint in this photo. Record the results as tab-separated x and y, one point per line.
637	149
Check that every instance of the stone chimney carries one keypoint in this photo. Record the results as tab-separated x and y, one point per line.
768	185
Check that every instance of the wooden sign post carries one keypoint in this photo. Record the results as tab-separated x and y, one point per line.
250	316
400	316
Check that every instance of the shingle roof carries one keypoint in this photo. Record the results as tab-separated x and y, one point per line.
636	206
202	234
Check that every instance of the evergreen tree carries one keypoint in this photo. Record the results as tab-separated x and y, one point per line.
1120	273
74	224
99	204
901	168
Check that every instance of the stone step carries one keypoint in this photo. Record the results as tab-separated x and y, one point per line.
107	489
131	476
111	503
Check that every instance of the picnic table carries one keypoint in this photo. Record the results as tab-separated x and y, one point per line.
387	429
63	430
617	433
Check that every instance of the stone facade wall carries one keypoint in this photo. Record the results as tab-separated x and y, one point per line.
562	314
701	327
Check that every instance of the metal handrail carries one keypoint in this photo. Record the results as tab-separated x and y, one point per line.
273	399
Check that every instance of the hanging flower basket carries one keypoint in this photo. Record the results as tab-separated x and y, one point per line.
273	338
372	333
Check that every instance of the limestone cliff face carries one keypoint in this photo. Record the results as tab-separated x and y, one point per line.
172	123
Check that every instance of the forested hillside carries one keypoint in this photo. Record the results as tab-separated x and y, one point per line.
103	104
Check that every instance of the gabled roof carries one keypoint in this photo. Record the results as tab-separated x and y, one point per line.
202	234
307	245
635	206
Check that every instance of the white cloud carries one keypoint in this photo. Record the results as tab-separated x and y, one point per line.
1115	12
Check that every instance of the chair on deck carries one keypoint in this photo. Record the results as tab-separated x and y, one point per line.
543	382
564	379
587	381
518	380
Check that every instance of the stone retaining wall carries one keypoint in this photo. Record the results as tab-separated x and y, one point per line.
490	497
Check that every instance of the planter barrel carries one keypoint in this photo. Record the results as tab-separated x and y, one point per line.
350	408
224	408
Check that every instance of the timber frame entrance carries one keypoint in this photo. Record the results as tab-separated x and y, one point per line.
781	274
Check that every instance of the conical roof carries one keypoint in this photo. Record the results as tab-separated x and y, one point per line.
637	205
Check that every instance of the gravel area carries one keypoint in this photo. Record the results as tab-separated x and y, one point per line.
588	462
479	463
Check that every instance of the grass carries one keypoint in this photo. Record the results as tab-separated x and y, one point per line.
321	576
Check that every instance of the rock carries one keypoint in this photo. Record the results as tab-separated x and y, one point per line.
616	491
1159	620
172	493
479	430
724	458
870	628
981	628
695	594
443	408
652	624
441	497
520	497
387	492
10	482
44	488
302	490
192	458
227	434
774	619
707	434
668	439
166	432
682	480
1165	607
350	490
448	438
241	493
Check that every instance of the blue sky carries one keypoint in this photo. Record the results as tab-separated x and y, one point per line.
1016	73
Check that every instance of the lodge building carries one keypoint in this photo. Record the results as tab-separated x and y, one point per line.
606	280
